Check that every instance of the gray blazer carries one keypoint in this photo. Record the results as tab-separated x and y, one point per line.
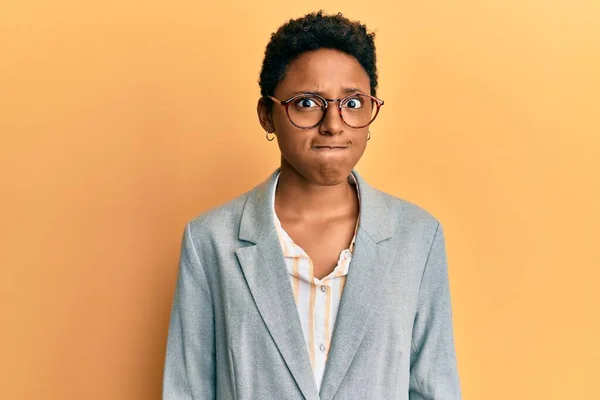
235	332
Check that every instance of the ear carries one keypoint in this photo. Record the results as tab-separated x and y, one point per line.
264	115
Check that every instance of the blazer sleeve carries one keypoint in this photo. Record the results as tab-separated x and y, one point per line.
189	372
433	370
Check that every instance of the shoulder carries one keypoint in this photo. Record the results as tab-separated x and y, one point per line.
407	215
226	224
219	220
388	208
409	209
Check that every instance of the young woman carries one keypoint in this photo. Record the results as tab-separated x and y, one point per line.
314	285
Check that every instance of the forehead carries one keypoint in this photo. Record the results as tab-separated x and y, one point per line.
325	70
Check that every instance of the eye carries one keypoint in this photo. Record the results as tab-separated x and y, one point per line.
353	102
307	102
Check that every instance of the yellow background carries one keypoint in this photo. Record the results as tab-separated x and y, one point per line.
121	120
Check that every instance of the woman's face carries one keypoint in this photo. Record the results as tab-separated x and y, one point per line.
325	154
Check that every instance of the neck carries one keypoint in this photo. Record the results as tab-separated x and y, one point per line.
297	197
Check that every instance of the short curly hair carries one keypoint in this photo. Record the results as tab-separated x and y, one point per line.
312	32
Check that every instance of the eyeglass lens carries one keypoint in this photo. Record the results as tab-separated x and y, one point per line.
308	110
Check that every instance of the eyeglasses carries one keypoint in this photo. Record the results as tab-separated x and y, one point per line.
307	110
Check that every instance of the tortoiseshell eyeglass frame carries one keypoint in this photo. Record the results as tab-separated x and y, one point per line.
286	103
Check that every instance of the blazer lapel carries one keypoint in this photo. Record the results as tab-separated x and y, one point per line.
361	293
263	266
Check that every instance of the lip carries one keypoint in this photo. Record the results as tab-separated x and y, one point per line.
329	147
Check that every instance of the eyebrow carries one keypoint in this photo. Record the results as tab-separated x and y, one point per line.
322	94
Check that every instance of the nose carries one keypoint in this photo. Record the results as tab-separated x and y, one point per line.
332	122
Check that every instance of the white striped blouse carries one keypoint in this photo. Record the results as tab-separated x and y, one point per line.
317	299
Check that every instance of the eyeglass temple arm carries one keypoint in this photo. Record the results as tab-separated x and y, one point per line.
276	100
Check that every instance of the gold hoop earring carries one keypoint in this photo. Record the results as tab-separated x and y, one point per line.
368	135
270	138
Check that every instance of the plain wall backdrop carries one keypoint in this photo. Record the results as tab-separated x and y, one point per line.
122	120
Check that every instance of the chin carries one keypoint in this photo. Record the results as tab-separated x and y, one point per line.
330	176
322	173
